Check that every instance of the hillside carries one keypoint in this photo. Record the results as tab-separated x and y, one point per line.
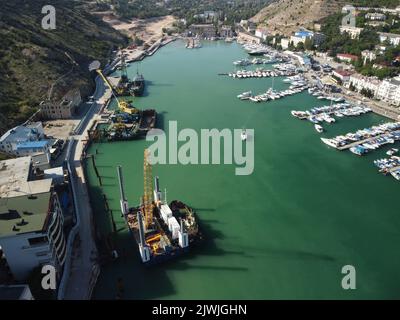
286	16
32	59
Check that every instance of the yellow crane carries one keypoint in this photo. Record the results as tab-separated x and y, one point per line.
148	191
122	105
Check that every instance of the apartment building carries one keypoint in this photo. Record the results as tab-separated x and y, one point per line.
389	91
360	82
353	32
31	219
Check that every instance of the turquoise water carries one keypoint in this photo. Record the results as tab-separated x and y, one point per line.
285	231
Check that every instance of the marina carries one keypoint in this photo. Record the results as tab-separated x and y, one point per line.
389	166
328	113
288	231
368	139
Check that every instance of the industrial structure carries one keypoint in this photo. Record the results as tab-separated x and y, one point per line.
154	224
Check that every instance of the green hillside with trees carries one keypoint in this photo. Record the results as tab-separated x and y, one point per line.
32	59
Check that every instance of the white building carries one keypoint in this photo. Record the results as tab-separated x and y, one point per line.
342	75
18	141
393	38
262	33
31	220
375	16
361	82
389	91
368	56
285	43
353	32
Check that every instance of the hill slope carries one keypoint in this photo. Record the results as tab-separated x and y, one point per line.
286	16
32	59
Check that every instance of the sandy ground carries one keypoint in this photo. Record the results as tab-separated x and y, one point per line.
59	128
149	30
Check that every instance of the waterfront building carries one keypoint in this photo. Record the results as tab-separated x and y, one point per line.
375	16
15	292
202	30
342	75
24	140
65	109
285	43
226	32
393	38
389	91
262	33
360	82
248	38
353	32
317	38
31	219
347	57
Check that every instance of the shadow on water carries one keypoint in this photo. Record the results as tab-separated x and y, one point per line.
161	120
142	282
288	254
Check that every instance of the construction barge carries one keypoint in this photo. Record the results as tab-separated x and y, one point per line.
127	122
161	231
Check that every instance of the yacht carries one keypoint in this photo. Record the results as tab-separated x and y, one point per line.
391	152
319	128
244	95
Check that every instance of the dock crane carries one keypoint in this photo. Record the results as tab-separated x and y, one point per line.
122	105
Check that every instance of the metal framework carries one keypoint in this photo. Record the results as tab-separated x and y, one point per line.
148	190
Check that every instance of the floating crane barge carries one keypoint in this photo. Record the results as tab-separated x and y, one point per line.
127	122
154	224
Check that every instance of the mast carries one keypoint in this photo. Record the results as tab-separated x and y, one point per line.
123	202
148	190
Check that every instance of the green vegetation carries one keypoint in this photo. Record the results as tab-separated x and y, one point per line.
377	3
368	40
228	10
31	58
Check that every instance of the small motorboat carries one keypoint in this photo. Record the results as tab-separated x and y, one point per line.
243	135
319	128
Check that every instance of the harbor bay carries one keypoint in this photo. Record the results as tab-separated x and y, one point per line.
284	231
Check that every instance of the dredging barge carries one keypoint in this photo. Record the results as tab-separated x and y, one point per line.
161	231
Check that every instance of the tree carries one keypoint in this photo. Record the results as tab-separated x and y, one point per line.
300	46
309	44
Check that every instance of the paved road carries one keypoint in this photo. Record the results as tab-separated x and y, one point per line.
83	265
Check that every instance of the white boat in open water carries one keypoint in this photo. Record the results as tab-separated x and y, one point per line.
319	128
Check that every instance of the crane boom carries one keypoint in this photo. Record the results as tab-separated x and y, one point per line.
122	105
